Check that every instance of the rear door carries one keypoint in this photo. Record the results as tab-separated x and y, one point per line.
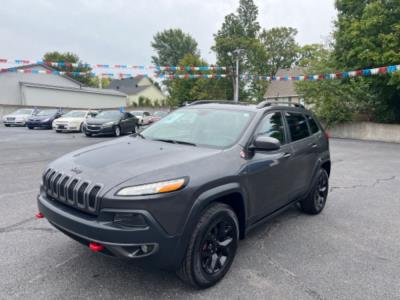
304	154
268	178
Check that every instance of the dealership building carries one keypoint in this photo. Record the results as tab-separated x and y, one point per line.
19	87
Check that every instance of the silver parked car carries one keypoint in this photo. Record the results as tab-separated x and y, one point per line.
19	117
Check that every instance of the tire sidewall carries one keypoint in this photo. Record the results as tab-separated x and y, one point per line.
321	172
117	131
203	279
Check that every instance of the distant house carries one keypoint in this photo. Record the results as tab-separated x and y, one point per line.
138	87
25	86
284	90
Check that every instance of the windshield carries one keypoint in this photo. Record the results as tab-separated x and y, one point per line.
75	114
47	112
109	114
137	113
23	112
201	126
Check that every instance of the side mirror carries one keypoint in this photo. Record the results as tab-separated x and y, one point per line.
266	143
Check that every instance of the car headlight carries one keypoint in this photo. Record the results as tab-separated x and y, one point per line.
108	124
46	120
153	188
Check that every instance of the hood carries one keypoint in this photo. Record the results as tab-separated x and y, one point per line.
94	121
69	120
131	158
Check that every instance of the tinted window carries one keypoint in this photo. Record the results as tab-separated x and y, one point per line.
272	126
313	125
297	126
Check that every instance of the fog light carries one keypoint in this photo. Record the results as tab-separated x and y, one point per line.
130	220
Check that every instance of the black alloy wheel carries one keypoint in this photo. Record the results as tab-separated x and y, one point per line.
316	200
212	247
217	247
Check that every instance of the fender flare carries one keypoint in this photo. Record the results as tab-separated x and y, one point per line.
201	202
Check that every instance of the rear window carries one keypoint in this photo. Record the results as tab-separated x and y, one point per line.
313	125
297	126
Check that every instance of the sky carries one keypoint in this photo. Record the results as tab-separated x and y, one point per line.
120	32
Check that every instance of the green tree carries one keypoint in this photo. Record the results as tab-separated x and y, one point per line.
367	34
171	46
333	100
281	48
105	82
183	90
69	57
239	31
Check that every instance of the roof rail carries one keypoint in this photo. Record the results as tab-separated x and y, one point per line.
197	102
271	103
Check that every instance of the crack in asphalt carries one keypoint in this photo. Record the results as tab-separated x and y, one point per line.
12	227
355	186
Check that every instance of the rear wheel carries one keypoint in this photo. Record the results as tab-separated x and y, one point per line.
212	247
117	131
7	125
316	200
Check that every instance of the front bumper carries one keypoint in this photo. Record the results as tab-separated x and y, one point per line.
66	127
120	241
98	129
14	122
39	124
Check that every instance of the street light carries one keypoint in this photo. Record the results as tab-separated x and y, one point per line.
237	53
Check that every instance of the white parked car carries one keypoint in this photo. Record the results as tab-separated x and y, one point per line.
73	120
18	117
144	117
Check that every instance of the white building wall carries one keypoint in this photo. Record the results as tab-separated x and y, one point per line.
43	96
10	84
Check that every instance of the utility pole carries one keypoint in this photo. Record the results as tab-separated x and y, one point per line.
237	53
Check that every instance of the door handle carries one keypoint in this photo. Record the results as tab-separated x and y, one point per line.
314	145
287	155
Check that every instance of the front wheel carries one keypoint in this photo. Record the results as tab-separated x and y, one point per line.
212	247
117	131
315	202
7	125
30	127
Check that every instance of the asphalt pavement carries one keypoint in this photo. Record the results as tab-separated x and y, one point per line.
350	251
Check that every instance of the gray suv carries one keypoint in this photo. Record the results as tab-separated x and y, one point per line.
181	193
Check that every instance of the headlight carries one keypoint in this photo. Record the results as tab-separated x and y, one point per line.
153	188
108	124
46	120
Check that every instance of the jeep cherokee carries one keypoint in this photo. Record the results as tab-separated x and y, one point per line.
183	192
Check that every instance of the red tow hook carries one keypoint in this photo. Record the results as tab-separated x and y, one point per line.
96	247
39	216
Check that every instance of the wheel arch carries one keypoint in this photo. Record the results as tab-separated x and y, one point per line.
230	194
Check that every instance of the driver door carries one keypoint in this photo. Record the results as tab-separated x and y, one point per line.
268	180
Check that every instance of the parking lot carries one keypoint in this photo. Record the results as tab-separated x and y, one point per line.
350	251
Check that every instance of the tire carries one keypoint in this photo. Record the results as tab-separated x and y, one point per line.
207	259
315	202
117	131
88	134
7	125
30	127
81	128
58	131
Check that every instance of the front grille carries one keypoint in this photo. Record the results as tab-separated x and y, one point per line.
74	192
91	127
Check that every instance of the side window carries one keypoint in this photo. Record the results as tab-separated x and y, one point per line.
297	126
272	126
146	113
313	125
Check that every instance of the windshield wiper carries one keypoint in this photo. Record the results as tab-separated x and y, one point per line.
175	142
139	135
